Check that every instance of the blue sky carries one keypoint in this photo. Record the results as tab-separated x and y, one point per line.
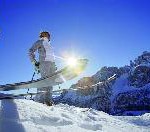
107	32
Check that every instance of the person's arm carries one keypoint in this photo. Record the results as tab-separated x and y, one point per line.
32	51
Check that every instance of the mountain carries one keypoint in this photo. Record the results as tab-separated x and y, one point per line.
22	115
127	94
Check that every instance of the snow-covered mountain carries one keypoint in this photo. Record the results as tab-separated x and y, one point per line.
127	94
28	116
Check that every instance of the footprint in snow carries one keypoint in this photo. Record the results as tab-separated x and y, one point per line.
53	121
95	127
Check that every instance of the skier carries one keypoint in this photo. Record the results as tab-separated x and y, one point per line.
45	65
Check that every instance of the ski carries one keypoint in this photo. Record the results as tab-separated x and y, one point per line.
57	78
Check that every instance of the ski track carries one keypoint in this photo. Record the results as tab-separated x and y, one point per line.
29	116
9	120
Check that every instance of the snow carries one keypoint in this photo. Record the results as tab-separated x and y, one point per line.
28	116
143	64
121	85
73	95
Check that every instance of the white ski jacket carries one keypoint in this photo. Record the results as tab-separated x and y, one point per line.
44	49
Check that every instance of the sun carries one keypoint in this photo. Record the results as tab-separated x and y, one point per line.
72	61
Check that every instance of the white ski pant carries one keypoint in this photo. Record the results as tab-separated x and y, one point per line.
46	68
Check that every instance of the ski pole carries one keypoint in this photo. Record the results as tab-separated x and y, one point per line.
31	80
33	76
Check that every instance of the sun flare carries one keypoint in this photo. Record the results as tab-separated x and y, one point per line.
72	61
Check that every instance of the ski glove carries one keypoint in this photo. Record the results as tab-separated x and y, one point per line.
36	64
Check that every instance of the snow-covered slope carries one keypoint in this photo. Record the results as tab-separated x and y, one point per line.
28	116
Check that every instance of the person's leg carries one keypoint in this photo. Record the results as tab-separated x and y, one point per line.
48	96
43	71
46	69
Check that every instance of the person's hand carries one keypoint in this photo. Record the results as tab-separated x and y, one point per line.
36	65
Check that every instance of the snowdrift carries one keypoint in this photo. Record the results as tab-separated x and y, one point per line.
29	116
